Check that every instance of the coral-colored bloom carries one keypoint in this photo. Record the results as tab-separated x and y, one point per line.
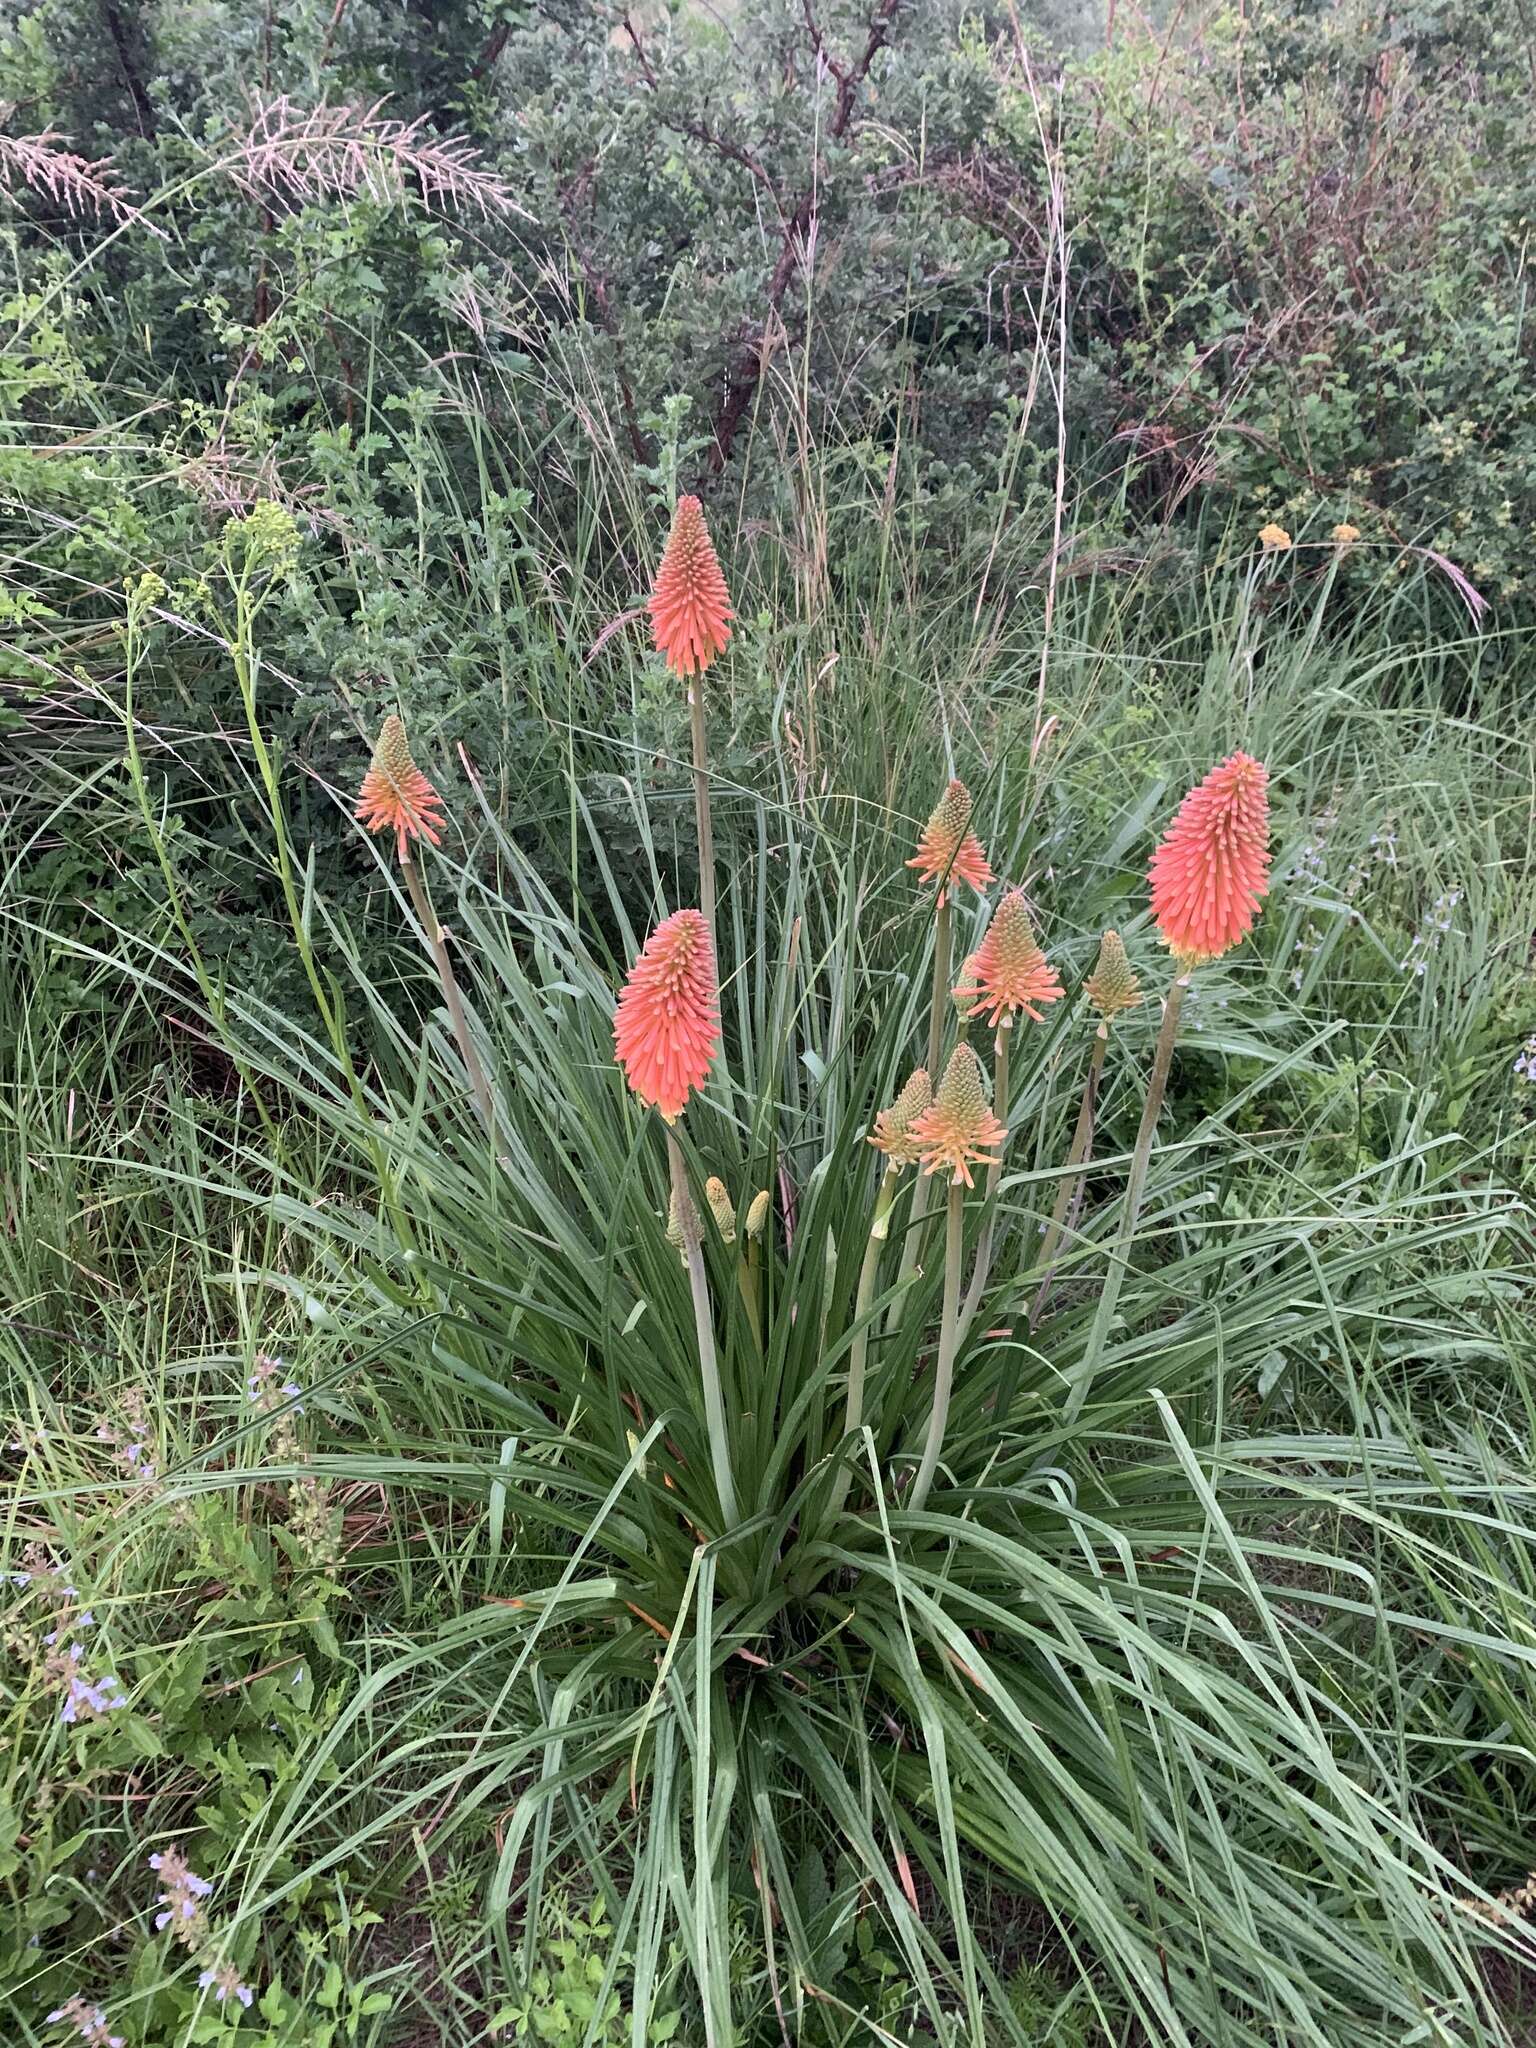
949	850
1112	986
959	1131
1008	971
690	605
666	1029
1344	534
1211	870
1273	539
395	796
893	1126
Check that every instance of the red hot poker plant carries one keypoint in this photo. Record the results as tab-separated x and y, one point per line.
1209	875
666	1029
1008	972
690	623
948	849
958	1130
395	796
690	606
1211	871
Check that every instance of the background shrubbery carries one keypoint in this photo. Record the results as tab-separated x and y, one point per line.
1271	267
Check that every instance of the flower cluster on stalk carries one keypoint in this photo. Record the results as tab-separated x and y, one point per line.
690	606
45	1631
948	850
183	1912
959	1129
87	2022
396	797
666	1029
313	1522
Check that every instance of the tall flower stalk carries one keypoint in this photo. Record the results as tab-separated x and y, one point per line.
948	851
959	1130
1006	977
396	797
687	1215
666	1031
893	1137
1112	988
1209	875
690	613
749	1269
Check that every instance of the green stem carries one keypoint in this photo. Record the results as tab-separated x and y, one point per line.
949	1344
749	1287
701	812
1072	1183
212	994
983	1267
853	1414
1135	1184
246	661
942	1004
437	941
704	1326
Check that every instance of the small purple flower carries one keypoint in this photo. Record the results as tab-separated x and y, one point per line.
225	1983
266	1392
88	2021
181	1890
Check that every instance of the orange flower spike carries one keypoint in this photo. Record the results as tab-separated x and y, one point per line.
949	850
1211	870
395	796
690	606
893	1126
959	1131
1008	971
666	1029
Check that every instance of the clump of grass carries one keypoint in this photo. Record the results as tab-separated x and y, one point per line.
1129	1654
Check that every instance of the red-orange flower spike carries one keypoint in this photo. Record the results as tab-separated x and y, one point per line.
949	850
1211	870
666	1029
1008	971
690	605
395	796
959	1131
